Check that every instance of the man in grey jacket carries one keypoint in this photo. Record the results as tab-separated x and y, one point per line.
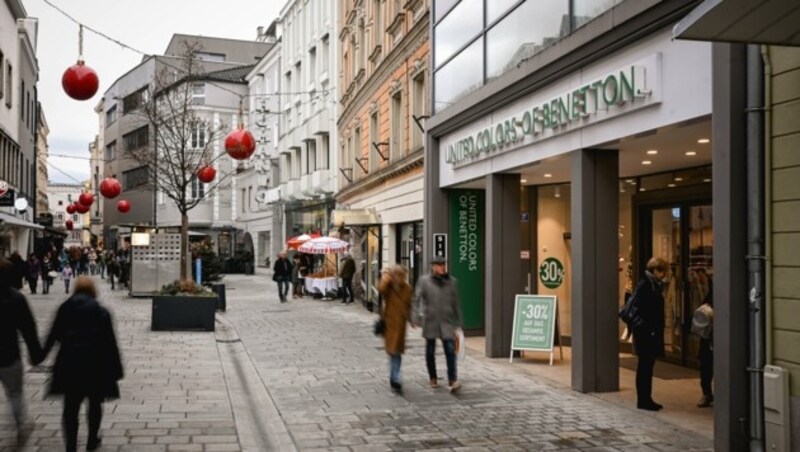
438	310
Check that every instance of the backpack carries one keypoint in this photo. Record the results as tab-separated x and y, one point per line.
629	313
703	321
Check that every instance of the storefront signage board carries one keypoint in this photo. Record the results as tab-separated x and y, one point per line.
534	324
551	273
466	253
620	91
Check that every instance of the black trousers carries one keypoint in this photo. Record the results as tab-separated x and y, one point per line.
644	377
706	366
347	285
69	419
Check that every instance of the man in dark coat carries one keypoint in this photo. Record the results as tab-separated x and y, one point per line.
346	273
648	338
15	315
282	274
88	364
438	310
18	270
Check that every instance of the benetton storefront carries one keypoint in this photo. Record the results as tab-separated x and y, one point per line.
564	190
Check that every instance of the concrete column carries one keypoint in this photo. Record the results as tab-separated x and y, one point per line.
435	201
730	247
503	279
595	251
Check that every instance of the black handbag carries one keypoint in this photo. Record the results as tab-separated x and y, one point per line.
379	328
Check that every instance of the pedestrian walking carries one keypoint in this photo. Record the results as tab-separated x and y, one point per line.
46	270
66	275
18	270
15	316
396	293
113	268
32	273
347	272
703	327
648	335
282	274
297	286
92	261
101	263
438	310
88	363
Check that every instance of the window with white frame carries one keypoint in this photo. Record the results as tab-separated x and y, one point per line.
111	151
2	75
111	115
420	107
9	71
398	137
374	138
198	93
198	135
198	189
326	50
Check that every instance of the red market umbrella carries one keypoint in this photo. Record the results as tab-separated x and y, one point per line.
324	245
294	242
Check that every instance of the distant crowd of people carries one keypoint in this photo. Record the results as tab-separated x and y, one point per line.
67	264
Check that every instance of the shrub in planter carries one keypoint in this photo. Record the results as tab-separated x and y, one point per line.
187	287
212	267
184	305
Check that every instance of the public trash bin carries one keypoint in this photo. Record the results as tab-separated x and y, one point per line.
219	289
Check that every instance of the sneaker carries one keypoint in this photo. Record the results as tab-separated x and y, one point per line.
397	388
706	401
434	383
454	386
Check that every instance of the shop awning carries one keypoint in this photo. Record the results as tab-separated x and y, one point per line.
7	220
752	21
354	217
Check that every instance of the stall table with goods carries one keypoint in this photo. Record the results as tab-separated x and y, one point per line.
326	280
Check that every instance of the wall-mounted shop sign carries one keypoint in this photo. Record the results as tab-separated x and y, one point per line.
551	273
467	211
620	91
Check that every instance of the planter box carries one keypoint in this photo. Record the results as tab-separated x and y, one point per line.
180	313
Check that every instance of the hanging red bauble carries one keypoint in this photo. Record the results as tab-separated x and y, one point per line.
71	209
240	144
110	188
123	205
206	174
81	208
86	199
68	225
79	81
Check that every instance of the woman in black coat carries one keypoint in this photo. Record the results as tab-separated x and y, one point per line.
88	364
648	337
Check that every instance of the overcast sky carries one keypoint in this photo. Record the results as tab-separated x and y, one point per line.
145	25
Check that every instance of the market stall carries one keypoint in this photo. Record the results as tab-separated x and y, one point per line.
324	281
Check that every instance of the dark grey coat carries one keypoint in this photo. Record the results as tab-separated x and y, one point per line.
437	307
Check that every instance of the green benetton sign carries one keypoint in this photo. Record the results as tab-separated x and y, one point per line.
466	253
534	323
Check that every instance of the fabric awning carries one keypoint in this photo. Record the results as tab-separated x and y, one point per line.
751	21
7	220
354	217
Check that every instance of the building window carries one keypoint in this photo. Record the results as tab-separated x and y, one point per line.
374	137
111	115
198	93
243	197
198	189
134	178
312	62
326	47
111	151
2	75
357	153
326	145
137	139
22	100
313	164
208	56
198	135
9	80
459	77
458	28
398	138
135	100
420	107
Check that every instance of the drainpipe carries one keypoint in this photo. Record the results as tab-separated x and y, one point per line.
765	55
755	242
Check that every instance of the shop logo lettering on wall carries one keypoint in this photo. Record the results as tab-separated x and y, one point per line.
468	242
618	92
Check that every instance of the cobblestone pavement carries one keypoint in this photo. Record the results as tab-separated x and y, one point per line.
310	375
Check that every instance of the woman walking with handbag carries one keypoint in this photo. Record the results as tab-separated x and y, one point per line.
396	294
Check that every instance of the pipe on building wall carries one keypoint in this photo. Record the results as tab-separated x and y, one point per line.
765	56
755	243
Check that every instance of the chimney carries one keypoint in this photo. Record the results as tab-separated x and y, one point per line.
260	33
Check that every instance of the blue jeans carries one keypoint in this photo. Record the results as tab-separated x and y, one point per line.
449	354
394	368
283	288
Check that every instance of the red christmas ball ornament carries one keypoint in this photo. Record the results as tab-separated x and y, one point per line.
240	144
86	199
71	209
123	205
110	188
68	224
206	174
81	208
79	81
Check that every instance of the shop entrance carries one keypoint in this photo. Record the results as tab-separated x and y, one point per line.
681	232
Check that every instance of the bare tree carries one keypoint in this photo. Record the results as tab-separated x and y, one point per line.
180	141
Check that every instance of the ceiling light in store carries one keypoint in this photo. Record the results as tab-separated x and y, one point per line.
642	189
678	179
558	192
706	180
652	152
523	180
630	181
548	175
704	140
646	162
691	153
670	185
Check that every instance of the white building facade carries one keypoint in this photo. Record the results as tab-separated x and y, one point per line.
59	196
